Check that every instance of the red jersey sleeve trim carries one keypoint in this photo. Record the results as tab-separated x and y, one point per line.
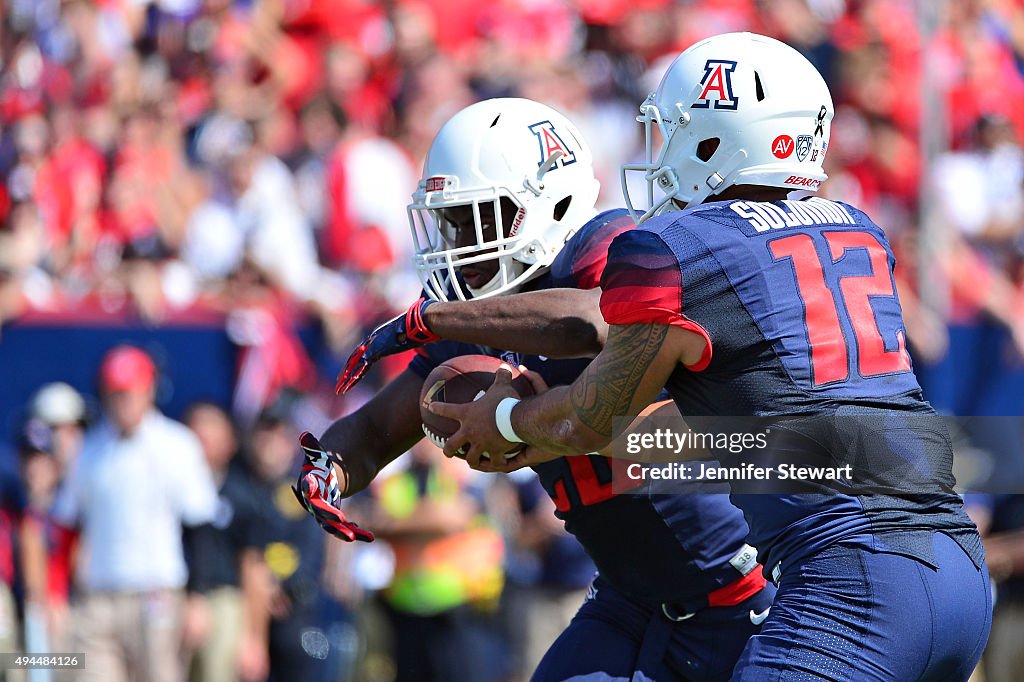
626	312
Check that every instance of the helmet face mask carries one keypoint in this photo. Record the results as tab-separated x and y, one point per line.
768	108
459	238
516	179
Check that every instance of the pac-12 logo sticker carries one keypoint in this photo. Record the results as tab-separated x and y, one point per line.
549	142
803	146
716	86
782	146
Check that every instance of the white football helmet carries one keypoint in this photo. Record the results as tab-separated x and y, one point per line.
512	152
767	106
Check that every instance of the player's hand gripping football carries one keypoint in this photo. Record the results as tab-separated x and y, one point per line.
318	492
478	434
402	333
528	456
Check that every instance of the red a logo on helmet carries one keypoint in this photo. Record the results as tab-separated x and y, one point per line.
716	86
549	142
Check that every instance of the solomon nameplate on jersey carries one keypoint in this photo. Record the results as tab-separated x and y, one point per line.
764	216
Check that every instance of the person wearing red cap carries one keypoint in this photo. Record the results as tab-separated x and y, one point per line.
128	384
139	479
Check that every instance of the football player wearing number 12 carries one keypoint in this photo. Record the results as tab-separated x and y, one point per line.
741	302
506	204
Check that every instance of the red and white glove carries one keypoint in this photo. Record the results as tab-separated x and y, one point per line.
318	493
399	334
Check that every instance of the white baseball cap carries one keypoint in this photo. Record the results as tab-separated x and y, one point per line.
58	403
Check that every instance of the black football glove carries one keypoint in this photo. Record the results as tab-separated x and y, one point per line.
402	333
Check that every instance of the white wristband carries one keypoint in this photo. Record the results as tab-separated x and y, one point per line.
503	418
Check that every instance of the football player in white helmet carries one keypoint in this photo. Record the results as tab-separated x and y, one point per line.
735	109
505	184
741	301
506	204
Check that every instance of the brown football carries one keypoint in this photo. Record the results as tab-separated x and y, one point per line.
462	379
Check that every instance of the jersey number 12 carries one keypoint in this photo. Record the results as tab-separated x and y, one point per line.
830	349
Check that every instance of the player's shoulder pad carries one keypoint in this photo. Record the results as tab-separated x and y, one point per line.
858	215
582	260
638	250
689	217
597	231
613	220
863	221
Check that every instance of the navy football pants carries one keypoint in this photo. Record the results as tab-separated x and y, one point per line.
850	614
612	638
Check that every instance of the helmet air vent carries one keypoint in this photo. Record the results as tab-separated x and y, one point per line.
562	207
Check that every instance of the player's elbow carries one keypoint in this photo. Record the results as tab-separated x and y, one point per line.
575	438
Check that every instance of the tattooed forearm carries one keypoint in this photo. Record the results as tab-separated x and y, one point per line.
607	387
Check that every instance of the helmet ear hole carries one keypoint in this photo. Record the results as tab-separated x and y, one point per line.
707	148
562	207
759	89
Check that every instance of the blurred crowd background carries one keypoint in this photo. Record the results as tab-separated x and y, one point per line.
222	183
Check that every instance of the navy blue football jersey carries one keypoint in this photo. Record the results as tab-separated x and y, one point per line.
653	547
797	302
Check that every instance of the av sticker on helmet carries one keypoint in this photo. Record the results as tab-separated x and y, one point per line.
803	147
716	91
782	147
549	142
